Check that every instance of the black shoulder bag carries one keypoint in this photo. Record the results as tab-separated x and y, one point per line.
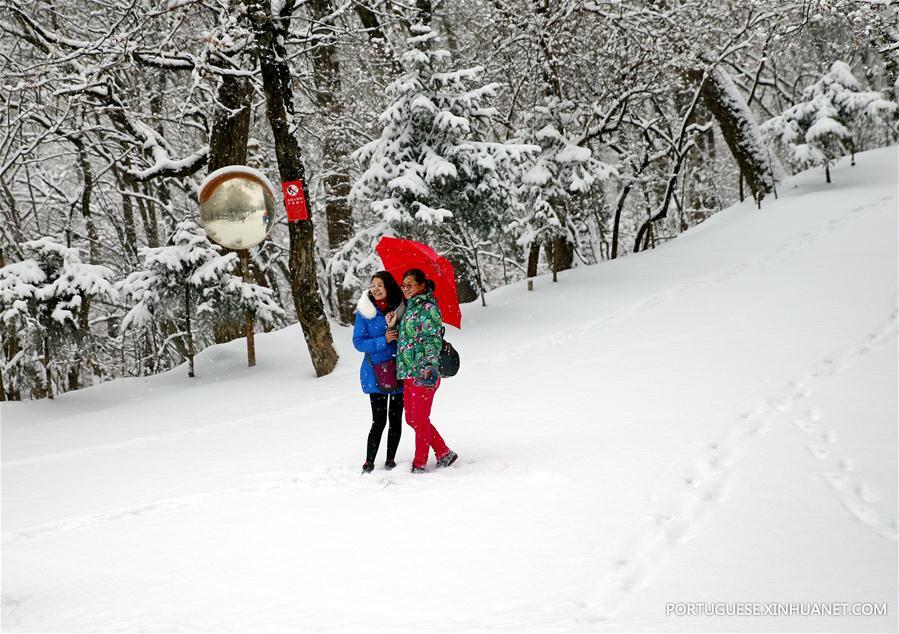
448	361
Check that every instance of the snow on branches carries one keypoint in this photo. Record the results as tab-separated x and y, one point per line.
44	303
834	117
190	278
430	162
562	169
433	174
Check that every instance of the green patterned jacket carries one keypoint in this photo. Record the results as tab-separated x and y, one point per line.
420	337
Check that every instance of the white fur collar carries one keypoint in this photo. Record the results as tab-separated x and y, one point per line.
365	307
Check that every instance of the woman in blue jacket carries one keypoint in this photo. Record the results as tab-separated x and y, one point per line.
384	300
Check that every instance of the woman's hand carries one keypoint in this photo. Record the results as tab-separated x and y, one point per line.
428	378
391	335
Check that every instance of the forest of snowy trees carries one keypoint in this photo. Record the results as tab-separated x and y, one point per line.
517	137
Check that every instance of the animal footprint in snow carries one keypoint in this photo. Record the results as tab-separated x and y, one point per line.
836	480
805	425
865	514
759	426
829	437
692	479
720	490
632	576
783	403
865	493
800	390
718	457
678	531
847	464
819	452
698	473
877	340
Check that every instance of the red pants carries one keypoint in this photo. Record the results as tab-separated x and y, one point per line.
417	402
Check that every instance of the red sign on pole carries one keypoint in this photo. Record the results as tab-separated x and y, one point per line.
294	201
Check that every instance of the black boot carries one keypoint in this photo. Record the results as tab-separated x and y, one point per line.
368	467
447	460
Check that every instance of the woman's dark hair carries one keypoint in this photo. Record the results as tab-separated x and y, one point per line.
419	276
394	294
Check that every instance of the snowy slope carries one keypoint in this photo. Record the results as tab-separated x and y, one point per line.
715	420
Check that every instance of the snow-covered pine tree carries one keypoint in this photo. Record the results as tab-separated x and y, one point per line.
190	279
45	303
432	175
561	170
834	117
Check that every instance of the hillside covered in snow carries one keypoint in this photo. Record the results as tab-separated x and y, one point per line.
714	420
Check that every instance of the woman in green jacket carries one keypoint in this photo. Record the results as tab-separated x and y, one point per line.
418	350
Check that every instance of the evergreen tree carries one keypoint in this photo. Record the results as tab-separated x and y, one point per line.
432	174
561	170
45	303
834	116
189	279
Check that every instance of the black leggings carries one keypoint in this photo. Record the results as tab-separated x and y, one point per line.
379	419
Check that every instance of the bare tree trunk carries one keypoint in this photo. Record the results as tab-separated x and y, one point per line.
13	220
86	192
472	283
335	147
129	243
533	261
48	385
228	146
279	101
739	129
563	255
231	123
549	252
378	36
681	154
84	343
619	204
190	335
616	224
425	11
465	288
168	220
149	220
7	345
480	278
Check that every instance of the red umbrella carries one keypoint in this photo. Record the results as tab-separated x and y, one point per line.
399	256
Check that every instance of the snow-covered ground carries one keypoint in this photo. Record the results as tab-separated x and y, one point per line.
712	421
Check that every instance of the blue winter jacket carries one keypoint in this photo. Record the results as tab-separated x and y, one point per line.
368	336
